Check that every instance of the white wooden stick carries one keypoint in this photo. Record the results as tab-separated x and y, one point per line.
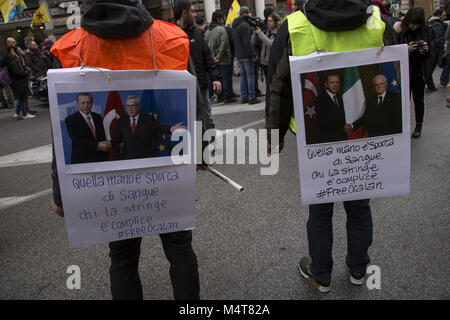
225	178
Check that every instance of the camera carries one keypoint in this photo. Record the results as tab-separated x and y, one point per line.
255	22
420	49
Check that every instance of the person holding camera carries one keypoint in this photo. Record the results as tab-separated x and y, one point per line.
266	38
414	34
246	55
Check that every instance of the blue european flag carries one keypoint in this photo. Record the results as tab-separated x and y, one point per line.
167	106
388	70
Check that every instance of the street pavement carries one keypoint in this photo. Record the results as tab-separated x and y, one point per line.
248	243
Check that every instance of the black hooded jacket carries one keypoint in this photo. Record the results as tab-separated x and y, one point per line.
328	15
201	56
116	18
242	38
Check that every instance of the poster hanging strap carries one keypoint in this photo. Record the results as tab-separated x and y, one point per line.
108	77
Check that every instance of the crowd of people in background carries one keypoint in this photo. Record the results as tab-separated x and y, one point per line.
20	69
243	47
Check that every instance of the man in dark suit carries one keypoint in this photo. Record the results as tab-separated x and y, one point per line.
86	132
383	114
330	112
139	132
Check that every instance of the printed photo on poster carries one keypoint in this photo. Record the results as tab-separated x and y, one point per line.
352	103
120	125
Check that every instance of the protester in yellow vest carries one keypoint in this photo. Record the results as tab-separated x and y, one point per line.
333	26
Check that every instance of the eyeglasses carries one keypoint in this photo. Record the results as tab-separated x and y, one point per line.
132	105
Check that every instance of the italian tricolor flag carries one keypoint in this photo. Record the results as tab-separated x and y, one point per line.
353	95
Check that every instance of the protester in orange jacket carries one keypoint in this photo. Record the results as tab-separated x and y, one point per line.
122	35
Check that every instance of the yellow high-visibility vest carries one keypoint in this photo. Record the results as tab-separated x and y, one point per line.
303	35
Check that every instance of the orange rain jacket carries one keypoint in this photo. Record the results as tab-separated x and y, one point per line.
170	44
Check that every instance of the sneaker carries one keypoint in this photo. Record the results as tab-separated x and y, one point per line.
304	267
417	131
254	101
29	116
244	101
16	115
357	278
429	90
440	85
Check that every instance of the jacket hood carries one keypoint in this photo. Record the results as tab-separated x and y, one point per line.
332	15
116	18
432	18
237	22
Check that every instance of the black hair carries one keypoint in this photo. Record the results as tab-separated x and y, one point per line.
180	6
267	12
415	15
199	20
218	14
438	12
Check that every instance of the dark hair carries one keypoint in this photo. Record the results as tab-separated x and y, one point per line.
180	6
267	12
415	15
276	19
199	20
218	14
438	12
84	94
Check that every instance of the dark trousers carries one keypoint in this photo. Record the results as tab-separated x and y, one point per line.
183	271
417	87
320	237
431	66
226	72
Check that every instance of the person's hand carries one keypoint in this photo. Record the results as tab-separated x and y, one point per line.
348	128
277	148
412	46
425	46
448	102
178	126
216	60
59	211
255	59
217	86
104	146
258	30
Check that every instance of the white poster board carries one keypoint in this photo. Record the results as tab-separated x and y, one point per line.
123	196
370	159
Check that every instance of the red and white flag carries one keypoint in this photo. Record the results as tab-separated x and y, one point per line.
113	111
311	89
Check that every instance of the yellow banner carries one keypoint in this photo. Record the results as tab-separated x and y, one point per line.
40	16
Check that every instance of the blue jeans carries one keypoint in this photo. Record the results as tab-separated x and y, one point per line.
247	79
320	237
21	105
445	72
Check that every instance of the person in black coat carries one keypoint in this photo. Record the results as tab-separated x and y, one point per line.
413	31
138	132
87	133
330	112
19	83
383	114
200	53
